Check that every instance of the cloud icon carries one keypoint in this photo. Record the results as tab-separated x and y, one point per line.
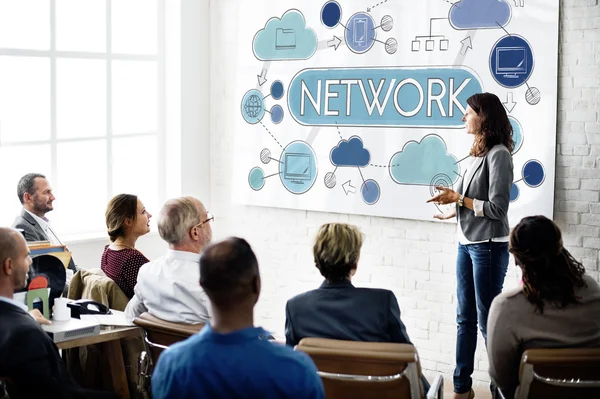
350	153
479	14
424	164
287	38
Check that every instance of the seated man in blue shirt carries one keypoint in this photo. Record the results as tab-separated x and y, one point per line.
229	358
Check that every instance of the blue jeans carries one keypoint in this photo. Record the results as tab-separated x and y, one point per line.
480	272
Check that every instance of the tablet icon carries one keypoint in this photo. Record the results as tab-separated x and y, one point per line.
360	33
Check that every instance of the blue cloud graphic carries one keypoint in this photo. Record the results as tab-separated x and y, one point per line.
479	14
287	38
350	153
425	163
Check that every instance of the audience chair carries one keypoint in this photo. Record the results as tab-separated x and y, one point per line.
351	369
158	335
559	373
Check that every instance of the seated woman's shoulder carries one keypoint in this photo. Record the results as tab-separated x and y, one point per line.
511	295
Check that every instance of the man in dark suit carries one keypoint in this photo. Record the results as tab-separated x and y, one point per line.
337	309
28	357
36	196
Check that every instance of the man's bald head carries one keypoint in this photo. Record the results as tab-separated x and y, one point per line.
8	243
229	273
14	260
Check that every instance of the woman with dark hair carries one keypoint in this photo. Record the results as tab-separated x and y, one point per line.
126	220
481	199
558	305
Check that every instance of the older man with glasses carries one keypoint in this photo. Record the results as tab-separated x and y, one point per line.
169	287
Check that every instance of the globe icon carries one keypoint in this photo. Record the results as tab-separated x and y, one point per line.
253	106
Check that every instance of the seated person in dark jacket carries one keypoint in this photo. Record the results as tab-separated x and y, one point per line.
337	309
28	357
36	196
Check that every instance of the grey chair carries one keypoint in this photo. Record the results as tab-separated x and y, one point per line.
559	373
158	335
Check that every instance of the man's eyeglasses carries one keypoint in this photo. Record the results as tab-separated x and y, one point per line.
209	218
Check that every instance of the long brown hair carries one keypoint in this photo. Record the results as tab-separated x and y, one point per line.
494	127
120	208
550	272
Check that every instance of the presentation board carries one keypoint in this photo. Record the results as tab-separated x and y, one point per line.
357	107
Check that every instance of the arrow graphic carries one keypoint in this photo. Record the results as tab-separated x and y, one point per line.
335	42
509	104
262	78
348	188
466	44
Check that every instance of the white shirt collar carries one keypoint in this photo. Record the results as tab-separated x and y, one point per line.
183	255
42	222
13	302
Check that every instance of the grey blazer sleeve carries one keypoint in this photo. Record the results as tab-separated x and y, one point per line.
500	168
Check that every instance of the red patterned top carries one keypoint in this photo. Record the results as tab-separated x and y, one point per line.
123	266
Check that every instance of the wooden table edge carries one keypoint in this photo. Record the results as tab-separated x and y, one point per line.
104	336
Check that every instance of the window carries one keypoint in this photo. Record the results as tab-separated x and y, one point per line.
83	100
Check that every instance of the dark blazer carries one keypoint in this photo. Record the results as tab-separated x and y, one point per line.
32	231
341	311
488	179
30	360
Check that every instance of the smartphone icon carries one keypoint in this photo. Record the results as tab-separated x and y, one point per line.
360	31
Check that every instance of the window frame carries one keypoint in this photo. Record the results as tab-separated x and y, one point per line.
52	54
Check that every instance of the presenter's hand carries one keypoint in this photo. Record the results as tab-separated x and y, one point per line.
446	196
445	216
39	317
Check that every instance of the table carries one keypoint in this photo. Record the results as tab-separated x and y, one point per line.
111	347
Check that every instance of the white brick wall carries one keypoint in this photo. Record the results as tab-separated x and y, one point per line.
414	259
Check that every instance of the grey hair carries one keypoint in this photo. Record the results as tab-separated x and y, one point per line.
27	185
177	217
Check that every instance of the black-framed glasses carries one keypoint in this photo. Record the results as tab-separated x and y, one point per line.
209	218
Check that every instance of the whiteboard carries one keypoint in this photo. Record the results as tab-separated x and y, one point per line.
356	107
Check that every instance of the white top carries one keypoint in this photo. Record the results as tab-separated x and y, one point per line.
169	288
45	225
13	302
478	210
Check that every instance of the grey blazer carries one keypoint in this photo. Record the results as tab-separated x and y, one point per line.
32	231
489	179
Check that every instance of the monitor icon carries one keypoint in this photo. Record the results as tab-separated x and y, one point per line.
285	39
511	61
297	167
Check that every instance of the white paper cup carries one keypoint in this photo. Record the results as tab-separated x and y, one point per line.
61	310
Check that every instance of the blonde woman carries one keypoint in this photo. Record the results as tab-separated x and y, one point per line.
338	309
